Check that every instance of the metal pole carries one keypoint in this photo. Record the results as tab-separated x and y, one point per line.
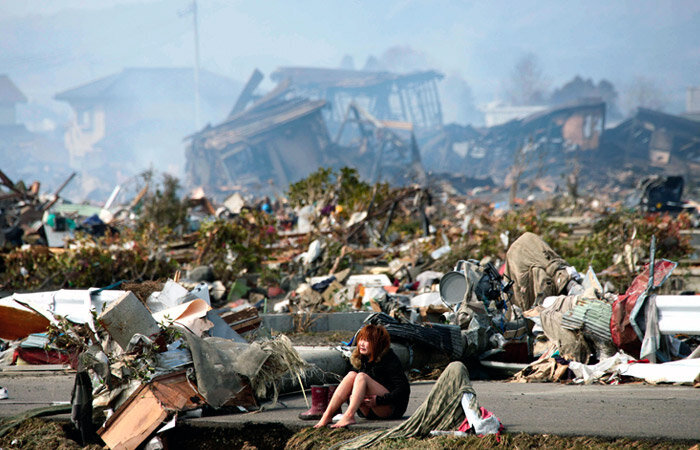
652	263
196	65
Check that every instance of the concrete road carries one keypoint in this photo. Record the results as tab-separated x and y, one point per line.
629	410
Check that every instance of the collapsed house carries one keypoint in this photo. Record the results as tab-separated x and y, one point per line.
411	97
282	136
669	144
538	144
377	121
275	141
556	141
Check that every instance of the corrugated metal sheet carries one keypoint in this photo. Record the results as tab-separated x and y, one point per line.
591	316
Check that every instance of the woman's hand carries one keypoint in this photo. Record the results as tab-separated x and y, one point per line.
370	401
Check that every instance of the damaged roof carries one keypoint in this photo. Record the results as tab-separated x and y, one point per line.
548	114
677	123
258	120
341	78
150	82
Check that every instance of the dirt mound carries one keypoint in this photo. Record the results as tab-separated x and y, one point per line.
40	435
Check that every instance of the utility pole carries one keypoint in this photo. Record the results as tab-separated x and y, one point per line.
196	65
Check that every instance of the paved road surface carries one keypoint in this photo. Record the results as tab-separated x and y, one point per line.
630	410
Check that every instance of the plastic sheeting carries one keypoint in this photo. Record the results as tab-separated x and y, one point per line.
684	371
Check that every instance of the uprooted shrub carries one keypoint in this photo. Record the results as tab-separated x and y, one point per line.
237	246
160	206
342	187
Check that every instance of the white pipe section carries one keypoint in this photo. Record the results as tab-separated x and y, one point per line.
679	314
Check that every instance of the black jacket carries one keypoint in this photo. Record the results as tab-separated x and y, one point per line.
388	372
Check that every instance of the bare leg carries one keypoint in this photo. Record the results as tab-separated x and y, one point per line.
364	386
341	394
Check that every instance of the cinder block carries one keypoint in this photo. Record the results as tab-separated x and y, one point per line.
125	317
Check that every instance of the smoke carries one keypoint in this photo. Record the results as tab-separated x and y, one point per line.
456	95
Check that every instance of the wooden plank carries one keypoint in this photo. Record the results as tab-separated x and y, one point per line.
176	385
146	409
231	317
247	325
133	424
247	93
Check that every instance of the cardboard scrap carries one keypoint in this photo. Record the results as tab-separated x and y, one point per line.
191	314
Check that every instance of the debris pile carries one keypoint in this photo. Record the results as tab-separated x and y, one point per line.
145	363
186	289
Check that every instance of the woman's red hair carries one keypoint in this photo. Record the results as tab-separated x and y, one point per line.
378	339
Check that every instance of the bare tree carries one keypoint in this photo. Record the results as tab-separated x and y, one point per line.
515	173
458	101
643	92
527	84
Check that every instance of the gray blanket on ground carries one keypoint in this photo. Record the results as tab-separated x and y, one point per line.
219	362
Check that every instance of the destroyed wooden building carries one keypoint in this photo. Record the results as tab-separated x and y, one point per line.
267	146
411	97
653	141
539	144
562	140
283	137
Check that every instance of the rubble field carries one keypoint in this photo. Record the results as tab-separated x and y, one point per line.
168	308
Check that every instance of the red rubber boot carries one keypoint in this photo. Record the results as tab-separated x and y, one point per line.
319	403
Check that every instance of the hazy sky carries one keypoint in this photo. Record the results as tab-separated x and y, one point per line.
50	46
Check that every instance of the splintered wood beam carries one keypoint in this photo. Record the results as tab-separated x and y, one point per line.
247	92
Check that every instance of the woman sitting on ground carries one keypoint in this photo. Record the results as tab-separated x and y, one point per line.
378	390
